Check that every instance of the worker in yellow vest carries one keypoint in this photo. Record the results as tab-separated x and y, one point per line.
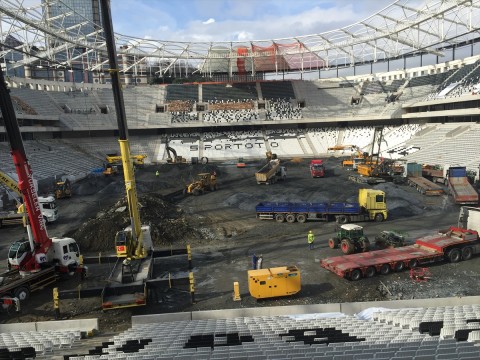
310	239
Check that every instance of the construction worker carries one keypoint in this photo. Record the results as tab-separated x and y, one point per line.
310	239
259	262
157	173
254	261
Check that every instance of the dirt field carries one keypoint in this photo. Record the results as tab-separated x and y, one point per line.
223	232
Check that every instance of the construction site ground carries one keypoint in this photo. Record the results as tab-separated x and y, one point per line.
223	232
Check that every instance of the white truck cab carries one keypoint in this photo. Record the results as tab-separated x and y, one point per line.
49	208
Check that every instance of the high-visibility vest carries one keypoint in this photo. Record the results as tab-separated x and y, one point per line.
310	238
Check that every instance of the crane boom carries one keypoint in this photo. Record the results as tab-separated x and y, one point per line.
129	244
10	183
42	242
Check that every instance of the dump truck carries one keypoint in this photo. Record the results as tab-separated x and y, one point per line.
454	244
271	173
462	191
371	206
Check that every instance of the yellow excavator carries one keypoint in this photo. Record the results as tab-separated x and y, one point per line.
357	156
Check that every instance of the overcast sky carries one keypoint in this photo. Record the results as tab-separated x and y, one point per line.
230	20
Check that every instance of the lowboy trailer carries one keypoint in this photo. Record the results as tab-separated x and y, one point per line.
455	244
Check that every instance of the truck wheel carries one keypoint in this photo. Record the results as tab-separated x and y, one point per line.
185	191
454	255
370	272
333	243
22	293
212	188
399	266
413	263
385	269
467	253
301	218
279	218
196	192
378	217
347	247
215	187
342	219
356	275
290	218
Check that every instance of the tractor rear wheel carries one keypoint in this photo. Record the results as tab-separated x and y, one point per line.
347	246
333	243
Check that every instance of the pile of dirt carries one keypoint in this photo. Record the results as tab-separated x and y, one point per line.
168	225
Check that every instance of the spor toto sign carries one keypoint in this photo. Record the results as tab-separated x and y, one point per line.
233	146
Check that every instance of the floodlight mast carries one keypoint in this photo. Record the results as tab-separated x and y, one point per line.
128	243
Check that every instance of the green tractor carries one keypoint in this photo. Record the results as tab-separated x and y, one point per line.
350	238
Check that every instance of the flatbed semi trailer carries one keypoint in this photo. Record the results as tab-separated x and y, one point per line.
13	285
370	207
425	186
454	244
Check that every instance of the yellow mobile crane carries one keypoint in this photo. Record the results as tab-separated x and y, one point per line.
133	245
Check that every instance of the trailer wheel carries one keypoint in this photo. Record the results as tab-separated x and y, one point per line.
399	266
454	255
413	263
467	253
333	243
279	218
301	218
22	293
370	272
356	275
290	218
347	247
342	219
378	217
385	269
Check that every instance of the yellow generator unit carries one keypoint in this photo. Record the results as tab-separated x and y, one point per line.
273	282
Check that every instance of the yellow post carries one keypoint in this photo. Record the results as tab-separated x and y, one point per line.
192	287
236	291
56	303
189	256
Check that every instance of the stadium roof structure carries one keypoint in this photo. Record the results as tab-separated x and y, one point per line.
399	30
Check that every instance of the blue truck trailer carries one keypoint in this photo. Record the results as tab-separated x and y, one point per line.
370	207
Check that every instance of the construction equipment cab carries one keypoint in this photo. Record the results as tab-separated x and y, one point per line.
204	182
317	169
